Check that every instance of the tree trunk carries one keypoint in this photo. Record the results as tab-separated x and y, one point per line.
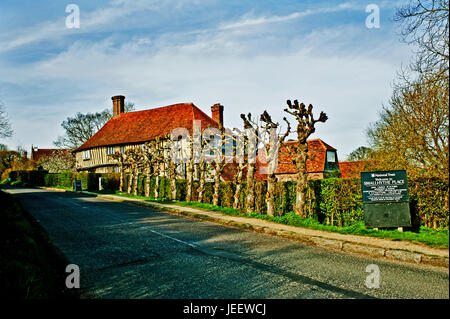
270	195
136	180
130	181
250	204
189	180
156	190
121	179
302	180
147	181
216	186
173	181
238	183
201	188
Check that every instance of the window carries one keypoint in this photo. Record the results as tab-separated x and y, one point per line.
86	155
110	150
331	157
122	149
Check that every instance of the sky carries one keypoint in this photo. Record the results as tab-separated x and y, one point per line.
249	56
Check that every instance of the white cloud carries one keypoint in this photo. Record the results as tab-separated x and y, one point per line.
102	19
213	68
248	20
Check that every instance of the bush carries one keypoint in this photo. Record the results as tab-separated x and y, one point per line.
331	201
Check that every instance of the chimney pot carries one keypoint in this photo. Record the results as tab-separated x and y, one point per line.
118	105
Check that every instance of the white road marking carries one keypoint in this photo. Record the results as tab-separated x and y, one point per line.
170	237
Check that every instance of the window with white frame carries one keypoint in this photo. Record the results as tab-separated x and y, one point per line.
331	157
110	150
86	155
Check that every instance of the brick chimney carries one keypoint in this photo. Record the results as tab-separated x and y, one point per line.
217	114
118	105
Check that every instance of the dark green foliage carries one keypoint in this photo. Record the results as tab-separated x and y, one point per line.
226	193
430	201
28	177
331	201
181	189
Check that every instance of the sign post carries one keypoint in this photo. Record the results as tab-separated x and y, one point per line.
77	186
385	199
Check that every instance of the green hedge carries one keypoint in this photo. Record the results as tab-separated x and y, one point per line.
331	201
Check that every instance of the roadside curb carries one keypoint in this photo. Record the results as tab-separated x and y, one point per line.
432	257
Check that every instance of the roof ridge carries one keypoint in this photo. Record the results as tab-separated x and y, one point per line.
159	107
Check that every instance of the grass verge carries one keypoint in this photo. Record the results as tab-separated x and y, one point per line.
437	238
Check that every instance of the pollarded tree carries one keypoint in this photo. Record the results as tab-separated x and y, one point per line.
120	159
251	131
171	163
134	158
305	127
239	147
153	158
203	169
218	143
272	143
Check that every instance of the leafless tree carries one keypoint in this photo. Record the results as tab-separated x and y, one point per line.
305	127
134	160
203	169
272	144
240	145
5	125
79	128
153	156
251	129
425	24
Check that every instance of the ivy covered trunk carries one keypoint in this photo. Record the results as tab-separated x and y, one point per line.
270	195
302	180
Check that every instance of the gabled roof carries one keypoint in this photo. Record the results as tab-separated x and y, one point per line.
142	126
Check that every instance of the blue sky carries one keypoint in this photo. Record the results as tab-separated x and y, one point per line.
249	56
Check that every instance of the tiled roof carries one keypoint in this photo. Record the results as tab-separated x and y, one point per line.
316	162
141	126
352	169
44	152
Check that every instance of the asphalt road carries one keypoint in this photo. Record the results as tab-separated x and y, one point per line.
127	251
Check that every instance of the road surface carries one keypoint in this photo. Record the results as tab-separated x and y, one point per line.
127	251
